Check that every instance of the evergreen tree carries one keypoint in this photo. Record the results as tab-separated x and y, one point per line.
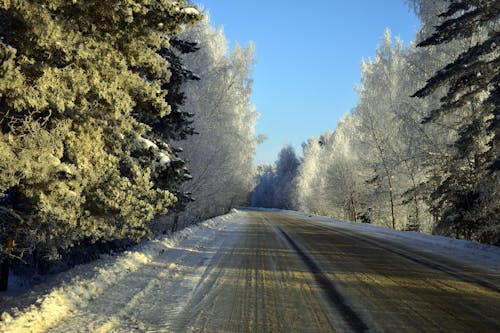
177	125
81	83
466	197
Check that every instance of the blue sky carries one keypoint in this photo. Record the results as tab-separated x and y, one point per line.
308	57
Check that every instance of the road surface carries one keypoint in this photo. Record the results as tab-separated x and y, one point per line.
276	272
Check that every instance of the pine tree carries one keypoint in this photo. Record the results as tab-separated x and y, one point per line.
80	84
467	195
177	125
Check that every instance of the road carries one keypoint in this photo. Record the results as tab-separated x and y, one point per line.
283	274
275	272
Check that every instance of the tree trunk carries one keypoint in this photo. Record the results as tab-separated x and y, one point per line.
353	205
391	198
175	224
415	199
4	269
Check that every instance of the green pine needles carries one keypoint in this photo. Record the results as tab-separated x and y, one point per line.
78	79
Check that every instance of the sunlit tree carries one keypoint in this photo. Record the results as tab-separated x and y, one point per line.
466	196
80	81
221	154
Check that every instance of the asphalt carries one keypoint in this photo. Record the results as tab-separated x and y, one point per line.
280	273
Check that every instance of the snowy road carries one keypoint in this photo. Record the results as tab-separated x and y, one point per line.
277	272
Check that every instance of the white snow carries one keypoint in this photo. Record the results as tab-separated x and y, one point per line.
75	288
164	160
190	11
147	143
173	265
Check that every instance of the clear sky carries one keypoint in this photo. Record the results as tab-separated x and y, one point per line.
308	57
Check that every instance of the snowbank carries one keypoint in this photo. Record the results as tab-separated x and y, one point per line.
76	287
72	291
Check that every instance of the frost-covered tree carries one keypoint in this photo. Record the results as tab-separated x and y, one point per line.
276	184
466	196
264	191
427	11
391	140
286	173
221	154
311	188
371	168
80	81
383	165
344	174
378	124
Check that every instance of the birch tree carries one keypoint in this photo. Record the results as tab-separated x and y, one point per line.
221	154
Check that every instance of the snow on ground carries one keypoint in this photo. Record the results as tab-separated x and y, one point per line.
484	256
48	303
174	265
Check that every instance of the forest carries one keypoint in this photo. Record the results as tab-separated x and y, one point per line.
123	120
115	124
420	151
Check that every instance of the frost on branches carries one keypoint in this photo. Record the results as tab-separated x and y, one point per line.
467	193
221	154
422	164
77	80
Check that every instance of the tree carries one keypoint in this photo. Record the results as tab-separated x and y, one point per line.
463	196
276	185
221	154
344	173
80	82
311	188
177	125
263	195
378	125
286	172
427	11
384	166
372	166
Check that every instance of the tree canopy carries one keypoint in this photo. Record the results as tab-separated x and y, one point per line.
80	84
221	154
423	164
472	82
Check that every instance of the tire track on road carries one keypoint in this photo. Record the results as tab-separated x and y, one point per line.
329	289
419	259
458	280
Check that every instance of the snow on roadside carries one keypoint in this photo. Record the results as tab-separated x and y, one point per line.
486	257
46	306
85	282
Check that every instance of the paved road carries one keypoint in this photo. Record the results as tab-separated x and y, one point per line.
283	274
275	272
